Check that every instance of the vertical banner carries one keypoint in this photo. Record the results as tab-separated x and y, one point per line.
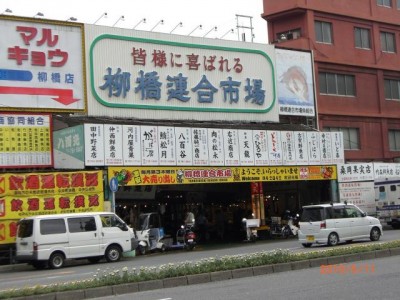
166	146
113	145
200	147
274	147
326	147
216	147
314	154
231	147
94	144
131	145
246	147
288	148
183	146
337	148
260	148
301	147
149	142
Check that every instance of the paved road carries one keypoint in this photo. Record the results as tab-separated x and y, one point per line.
25	275
380	282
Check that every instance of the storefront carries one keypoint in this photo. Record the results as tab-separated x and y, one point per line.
236	192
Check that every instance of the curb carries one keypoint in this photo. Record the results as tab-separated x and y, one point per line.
127	288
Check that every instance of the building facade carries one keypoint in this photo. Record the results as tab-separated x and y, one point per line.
355	45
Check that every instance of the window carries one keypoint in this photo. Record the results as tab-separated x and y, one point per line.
55	226
289	35
387	42
113	221
339	213
350	137
81	224
25	228
337	84
394	140
392	188
386	3
398	4
392	89
353	212
362	38
323	32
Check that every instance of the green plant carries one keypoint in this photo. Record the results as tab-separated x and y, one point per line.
212	264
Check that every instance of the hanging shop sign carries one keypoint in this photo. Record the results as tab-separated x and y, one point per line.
176	146
153	75
25	140
295	83
69	148
42	65
137	176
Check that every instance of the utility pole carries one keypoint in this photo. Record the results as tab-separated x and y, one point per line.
250	20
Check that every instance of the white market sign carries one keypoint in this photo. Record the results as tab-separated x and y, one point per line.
136	145
169	75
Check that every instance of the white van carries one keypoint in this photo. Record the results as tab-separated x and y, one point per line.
332	223
51	239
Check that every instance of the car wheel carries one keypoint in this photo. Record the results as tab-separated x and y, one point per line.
113	253
375	234
333	239
306	245
56	260
163	248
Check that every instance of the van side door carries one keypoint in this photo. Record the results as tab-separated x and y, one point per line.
84	237
358	223
341	223
114	230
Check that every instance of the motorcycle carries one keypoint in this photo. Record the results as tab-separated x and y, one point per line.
290	229
185	238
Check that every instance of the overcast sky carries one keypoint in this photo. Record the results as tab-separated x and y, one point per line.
208	13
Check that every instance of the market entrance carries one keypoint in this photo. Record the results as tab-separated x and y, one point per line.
222	205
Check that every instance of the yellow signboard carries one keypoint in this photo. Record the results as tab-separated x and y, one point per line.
27	184
15	207
131	176
8	231
29	194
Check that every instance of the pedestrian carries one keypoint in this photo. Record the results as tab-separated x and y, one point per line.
189	218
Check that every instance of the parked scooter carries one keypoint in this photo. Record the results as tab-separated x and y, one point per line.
290	229
185	238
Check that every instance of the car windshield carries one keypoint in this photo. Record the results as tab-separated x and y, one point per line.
311	214
25	228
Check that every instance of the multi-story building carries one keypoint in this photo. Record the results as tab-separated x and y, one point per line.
355	45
